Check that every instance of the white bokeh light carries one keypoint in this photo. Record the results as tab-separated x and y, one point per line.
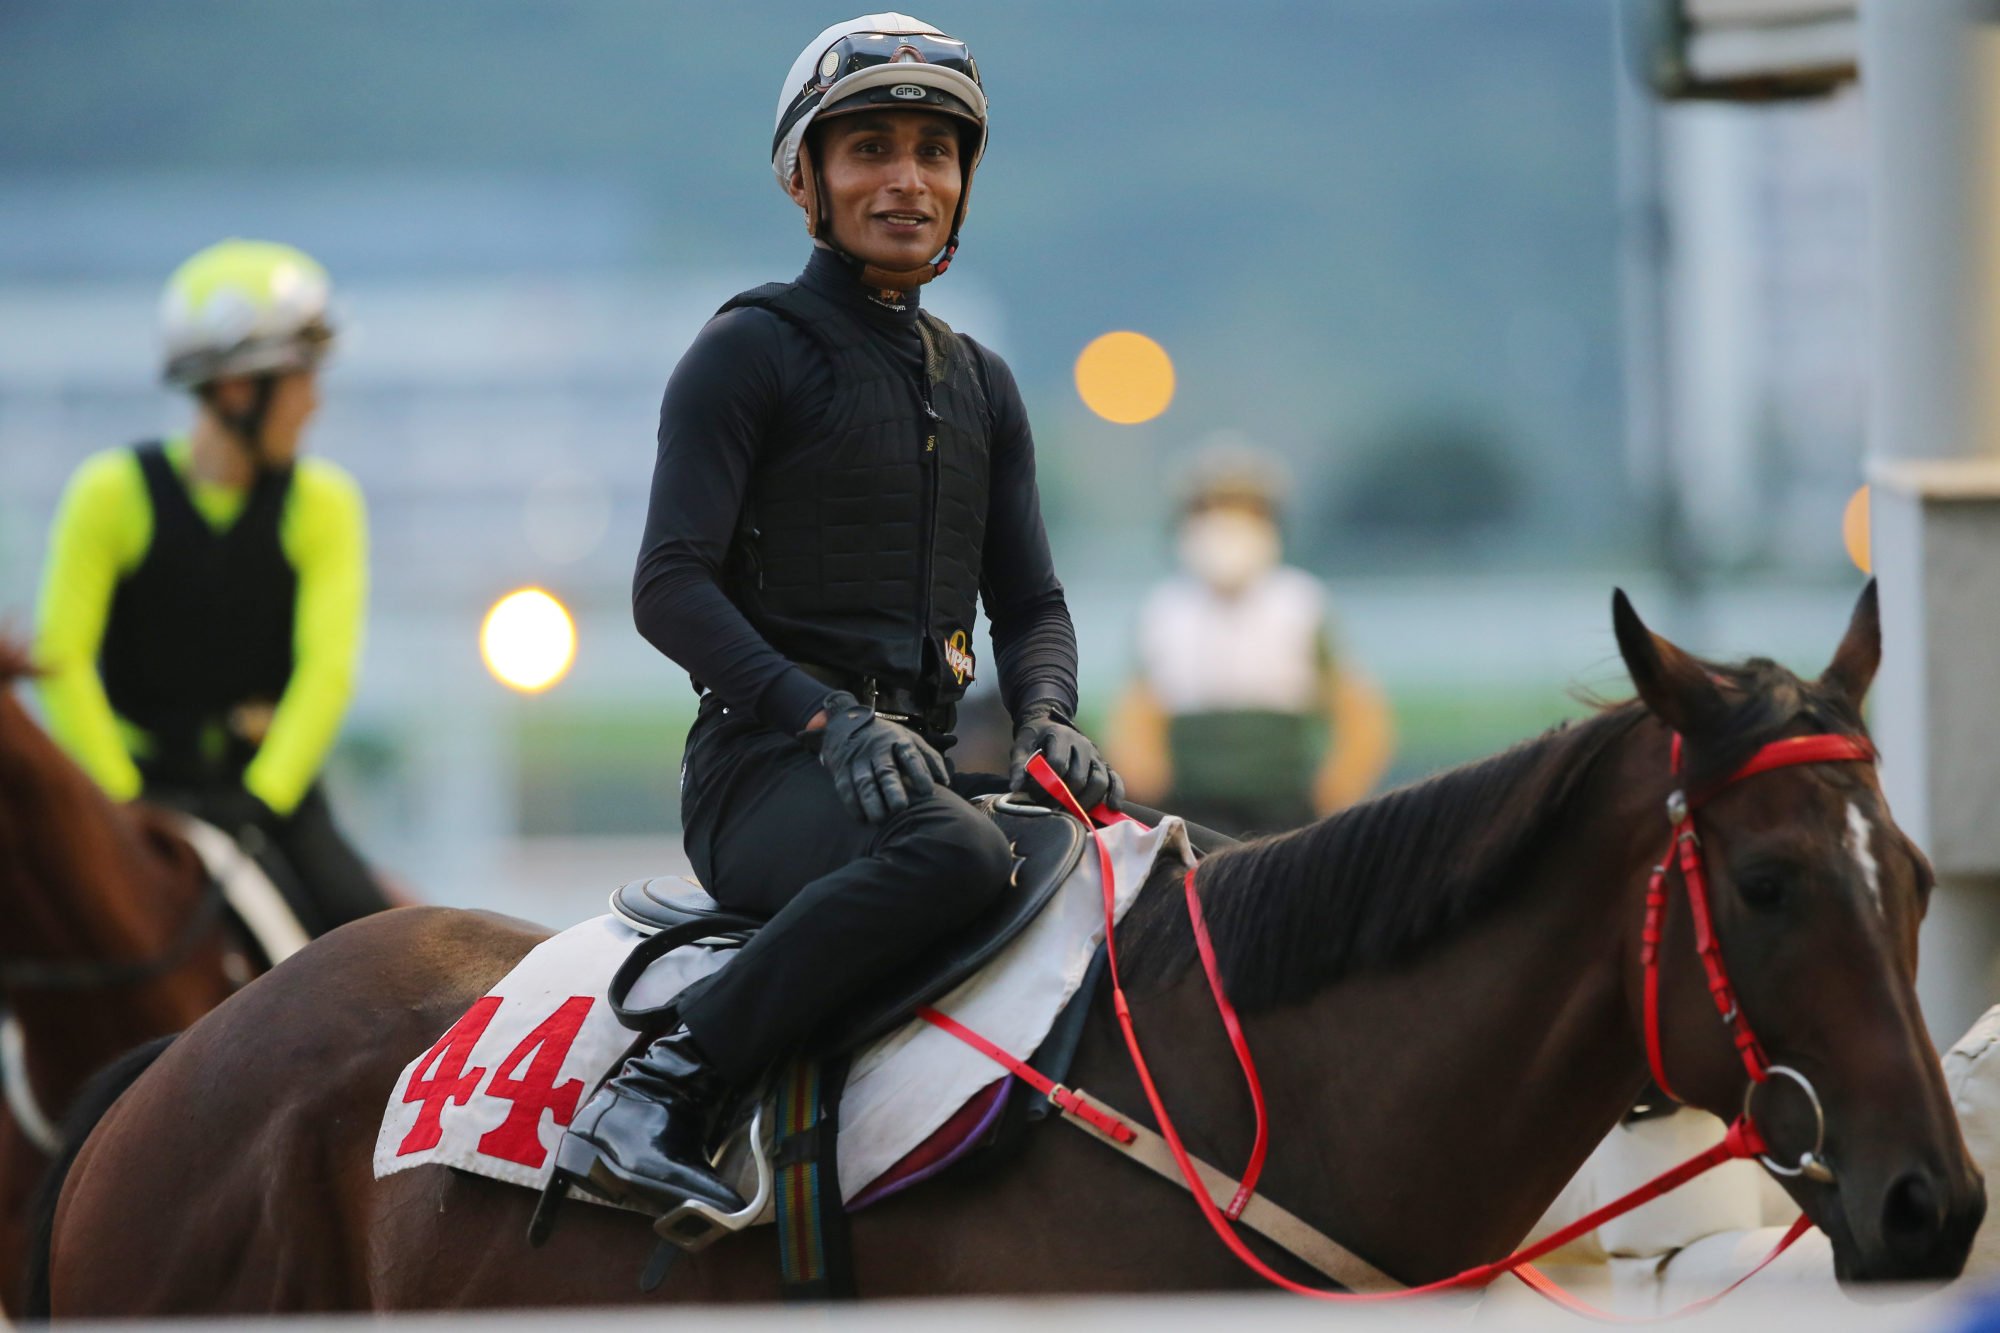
528	640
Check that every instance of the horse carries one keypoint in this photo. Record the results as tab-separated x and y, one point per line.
113	937
1443	986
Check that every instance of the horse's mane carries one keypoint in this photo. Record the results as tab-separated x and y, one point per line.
1293	913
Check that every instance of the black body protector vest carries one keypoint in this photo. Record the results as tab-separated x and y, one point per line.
860	548
202	625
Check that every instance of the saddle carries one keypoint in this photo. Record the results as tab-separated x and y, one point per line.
675	911
775	1153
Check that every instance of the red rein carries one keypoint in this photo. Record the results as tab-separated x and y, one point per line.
1742	1140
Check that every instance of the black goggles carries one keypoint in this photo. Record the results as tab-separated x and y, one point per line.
862	50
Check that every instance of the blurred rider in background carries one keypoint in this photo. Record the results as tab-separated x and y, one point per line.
1242	715
200	619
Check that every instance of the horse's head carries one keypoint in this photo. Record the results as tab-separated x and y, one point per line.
1816	898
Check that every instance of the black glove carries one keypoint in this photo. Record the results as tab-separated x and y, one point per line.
231	809
236	810
225	807
878	767
1042	729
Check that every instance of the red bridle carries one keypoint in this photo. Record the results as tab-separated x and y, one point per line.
1685	847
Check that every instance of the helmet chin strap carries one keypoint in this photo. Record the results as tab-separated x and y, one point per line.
871	275
246	427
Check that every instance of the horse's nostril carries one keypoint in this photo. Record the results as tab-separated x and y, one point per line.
1910	1211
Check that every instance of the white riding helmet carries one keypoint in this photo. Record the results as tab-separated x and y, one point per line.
887	60
244	308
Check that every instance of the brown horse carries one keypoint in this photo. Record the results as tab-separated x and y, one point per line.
1443	987
112	937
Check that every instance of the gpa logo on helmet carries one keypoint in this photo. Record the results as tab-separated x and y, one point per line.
909	92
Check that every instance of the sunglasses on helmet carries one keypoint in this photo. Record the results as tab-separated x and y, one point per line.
861	50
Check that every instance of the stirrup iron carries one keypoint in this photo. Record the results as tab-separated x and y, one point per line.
695	1224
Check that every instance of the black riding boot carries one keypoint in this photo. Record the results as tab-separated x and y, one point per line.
643	1139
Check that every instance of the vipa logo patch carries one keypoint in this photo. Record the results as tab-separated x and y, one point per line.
958	656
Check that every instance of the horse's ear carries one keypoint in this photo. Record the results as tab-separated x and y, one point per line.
1852	670
1674	685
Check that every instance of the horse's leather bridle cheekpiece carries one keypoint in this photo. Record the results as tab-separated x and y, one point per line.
1685	848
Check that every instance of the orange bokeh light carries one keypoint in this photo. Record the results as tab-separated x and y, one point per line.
1125	377
1854	530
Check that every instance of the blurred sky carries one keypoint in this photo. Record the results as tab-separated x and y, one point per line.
1353	222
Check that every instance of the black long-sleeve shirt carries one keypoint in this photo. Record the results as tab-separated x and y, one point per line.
750	378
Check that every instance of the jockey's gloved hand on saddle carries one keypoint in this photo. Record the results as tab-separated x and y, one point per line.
1043	728
879	767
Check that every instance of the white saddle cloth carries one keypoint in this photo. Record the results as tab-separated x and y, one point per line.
493	1094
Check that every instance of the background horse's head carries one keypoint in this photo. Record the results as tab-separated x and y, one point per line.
1817	897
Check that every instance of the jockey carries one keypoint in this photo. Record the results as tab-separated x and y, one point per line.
201	608
841	478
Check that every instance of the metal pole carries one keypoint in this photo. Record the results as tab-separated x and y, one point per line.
1645	252
1930	72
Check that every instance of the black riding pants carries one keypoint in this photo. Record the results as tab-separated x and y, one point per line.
849	902
330	872
309	860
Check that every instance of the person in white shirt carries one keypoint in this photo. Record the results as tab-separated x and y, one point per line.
1242	715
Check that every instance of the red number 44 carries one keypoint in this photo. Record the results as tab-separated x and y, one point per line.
441	1078
518	1138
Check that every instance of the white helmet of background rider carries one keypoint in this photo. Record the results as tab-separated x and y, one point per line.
243	308
878	60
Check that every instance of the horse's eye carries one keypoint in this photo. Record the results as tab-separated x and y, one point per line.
1762	889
